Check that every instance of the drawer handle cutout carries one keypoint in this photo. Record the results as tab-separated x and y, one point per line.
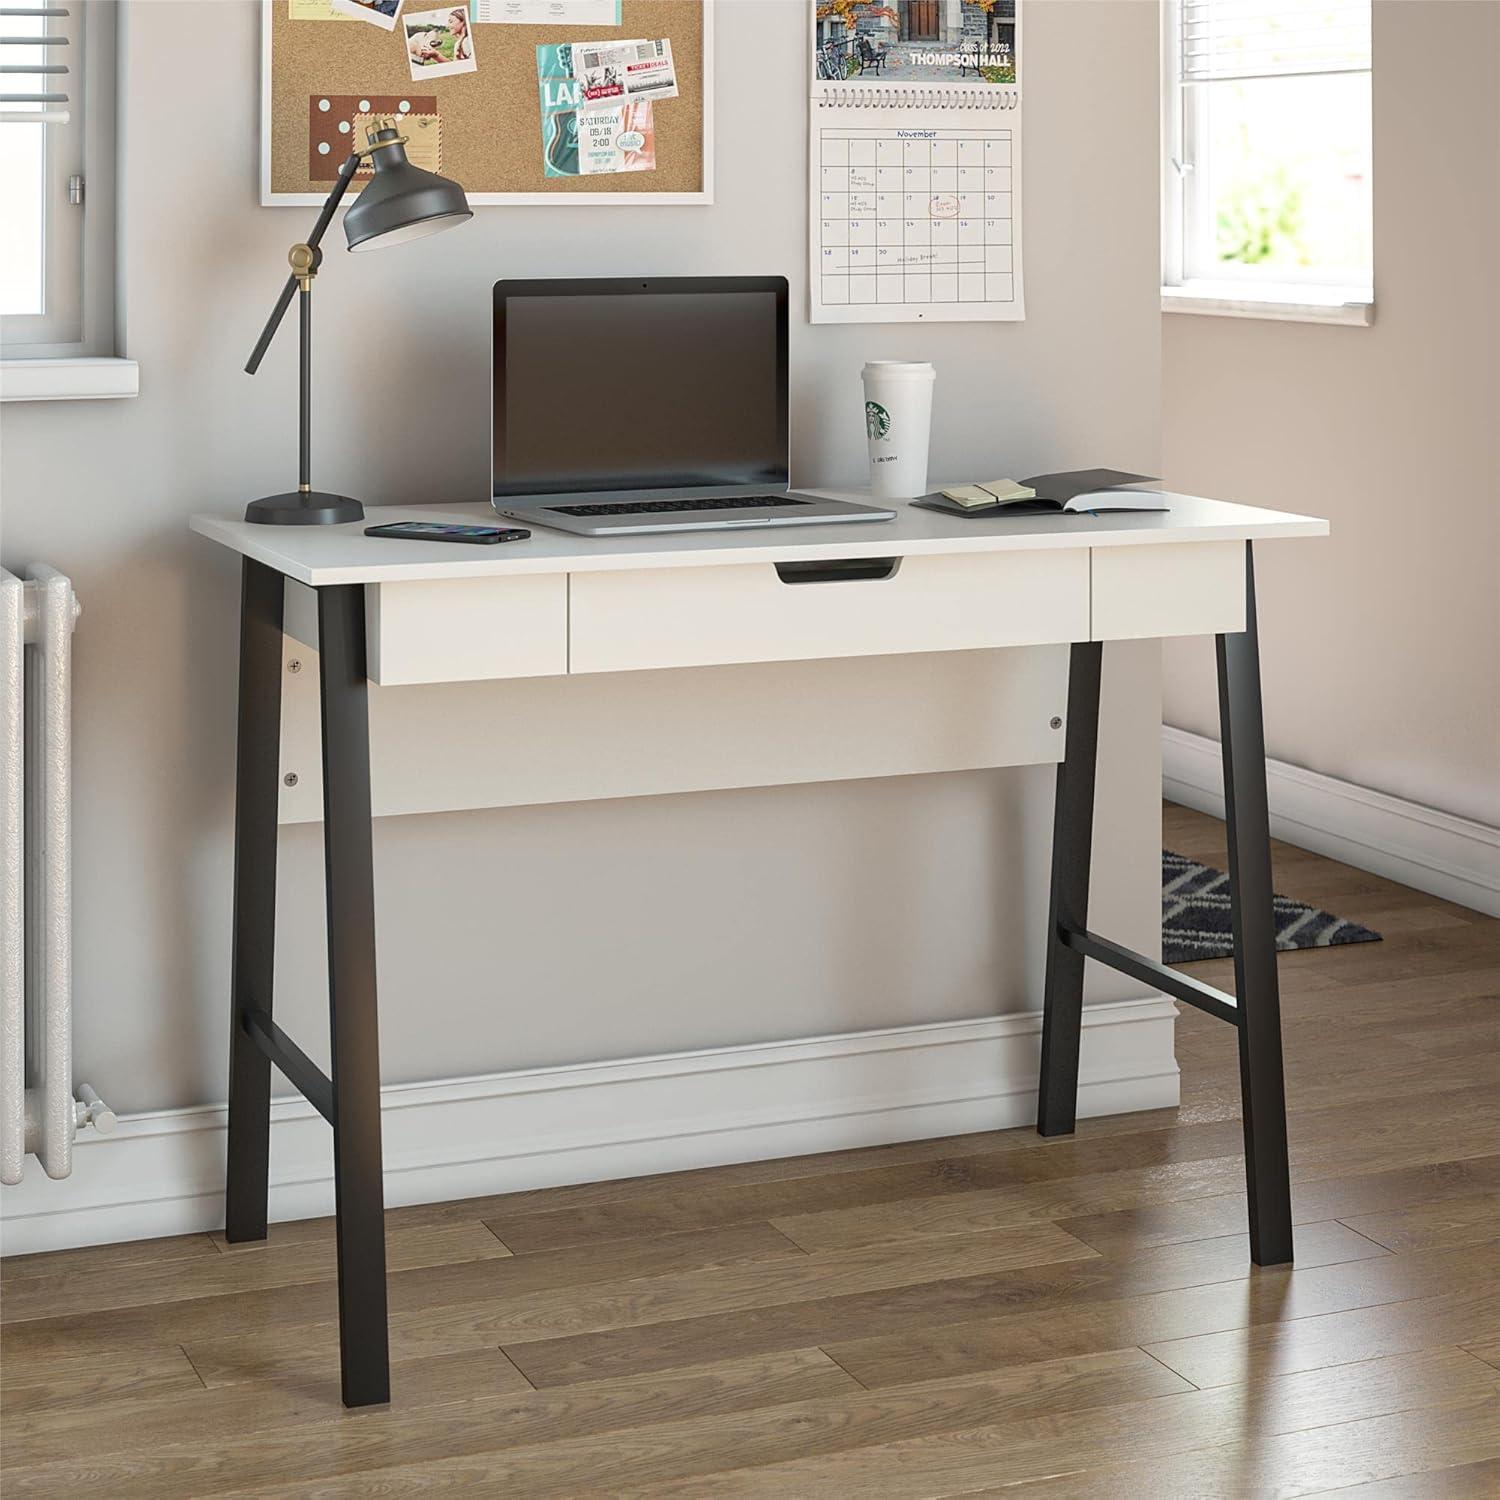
838	570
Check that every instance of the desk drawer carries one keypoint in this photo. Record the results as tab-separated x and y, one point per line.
467	629
710	616
1168	588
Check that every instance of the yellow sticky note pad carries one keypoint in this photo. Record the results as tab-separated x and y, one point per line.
313	10
969	495
1006	489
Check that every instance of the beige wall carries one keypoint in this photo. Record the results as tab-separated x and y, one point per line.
1382	645
709	919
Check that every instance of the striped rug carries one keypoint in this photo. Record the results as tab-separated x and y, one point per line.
1195	916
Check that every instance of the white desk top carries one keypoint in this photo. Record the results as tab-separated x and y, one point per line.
319	555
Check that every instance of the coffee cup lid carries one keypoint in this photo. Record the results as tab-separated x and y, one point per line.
900	369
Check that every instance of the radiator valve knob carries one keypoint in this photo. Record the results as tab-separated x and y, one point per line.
92	1110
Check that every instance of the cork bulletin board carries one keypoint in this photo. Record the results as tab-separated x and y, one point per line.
484	128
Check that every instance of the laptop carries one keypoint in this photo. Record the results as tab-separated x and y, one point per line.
622	406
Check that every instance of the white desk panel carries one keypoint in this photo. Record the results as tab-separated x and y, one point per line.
448	746
343	554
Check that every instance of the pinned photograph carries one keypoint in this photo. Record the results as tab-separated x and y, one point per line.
439	43
381	13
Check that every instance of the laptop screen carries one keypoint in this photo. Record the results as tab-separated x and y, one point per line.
604	386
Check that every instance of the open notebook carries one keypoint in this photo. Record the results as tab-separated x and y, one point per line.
1090	492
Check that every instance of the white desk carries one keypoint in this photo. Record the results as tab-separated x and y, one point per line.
405	614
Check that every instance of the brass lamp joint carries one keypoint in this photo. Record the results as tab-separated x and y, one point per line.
304	261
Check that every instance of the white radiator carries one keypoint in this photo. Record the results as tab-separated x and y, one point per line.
38	1111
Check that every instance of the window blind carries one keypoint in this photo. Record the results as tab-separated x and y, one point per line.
30	93
1230	39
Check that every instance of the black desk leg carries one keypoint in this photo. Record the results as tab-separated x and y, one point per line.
355	1053
1262	1092
1072	845
257	774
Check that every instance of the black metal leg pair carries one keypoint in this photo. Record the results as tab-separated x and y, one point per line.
349	1099
1255	1008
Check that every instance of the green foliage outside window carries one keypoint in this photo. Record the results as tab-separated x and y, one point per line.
1261	219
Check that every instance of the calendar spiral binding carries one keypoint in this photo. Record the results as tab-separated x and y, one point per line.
869	96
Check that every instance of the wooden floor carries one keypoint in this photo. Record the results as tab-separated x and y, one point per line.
1074	1317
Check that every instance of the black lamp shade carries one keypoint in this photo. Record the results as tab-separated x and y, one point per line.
402	202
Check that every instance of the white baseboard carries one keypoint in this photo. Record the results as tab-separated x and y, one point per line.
1428	850
163	1173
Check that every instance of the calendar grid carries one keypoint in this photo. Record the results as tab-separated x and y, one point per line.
916	217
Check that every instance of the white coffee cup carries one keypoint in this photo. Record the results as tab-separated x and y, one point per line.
898	422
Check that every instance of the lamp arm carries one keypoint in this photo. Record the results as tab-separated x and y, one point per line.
284	301
325	214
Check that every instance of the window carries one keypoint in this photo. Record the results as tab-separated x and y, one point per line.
56	179
1267	178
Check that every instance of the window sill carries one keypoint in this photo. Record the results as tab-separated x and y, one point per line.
68	379
1281	304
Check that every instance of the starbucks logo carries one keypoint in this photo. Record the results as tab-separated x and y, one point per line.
877	421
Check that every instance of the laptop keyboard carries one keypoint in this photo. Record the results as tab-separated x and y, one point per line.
652	507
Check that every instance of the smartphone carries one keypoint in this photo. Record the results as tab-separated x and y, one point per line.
442	531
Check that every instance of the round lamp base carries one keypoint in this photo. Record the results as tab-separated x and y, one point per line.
304	508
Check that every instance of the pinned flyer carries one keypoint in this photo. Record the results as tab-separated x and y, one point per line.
381	13
546	12
618	137
314	10
439	43
611	73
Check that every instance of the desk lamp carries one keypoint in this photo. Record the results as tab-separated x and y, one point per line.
401	202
